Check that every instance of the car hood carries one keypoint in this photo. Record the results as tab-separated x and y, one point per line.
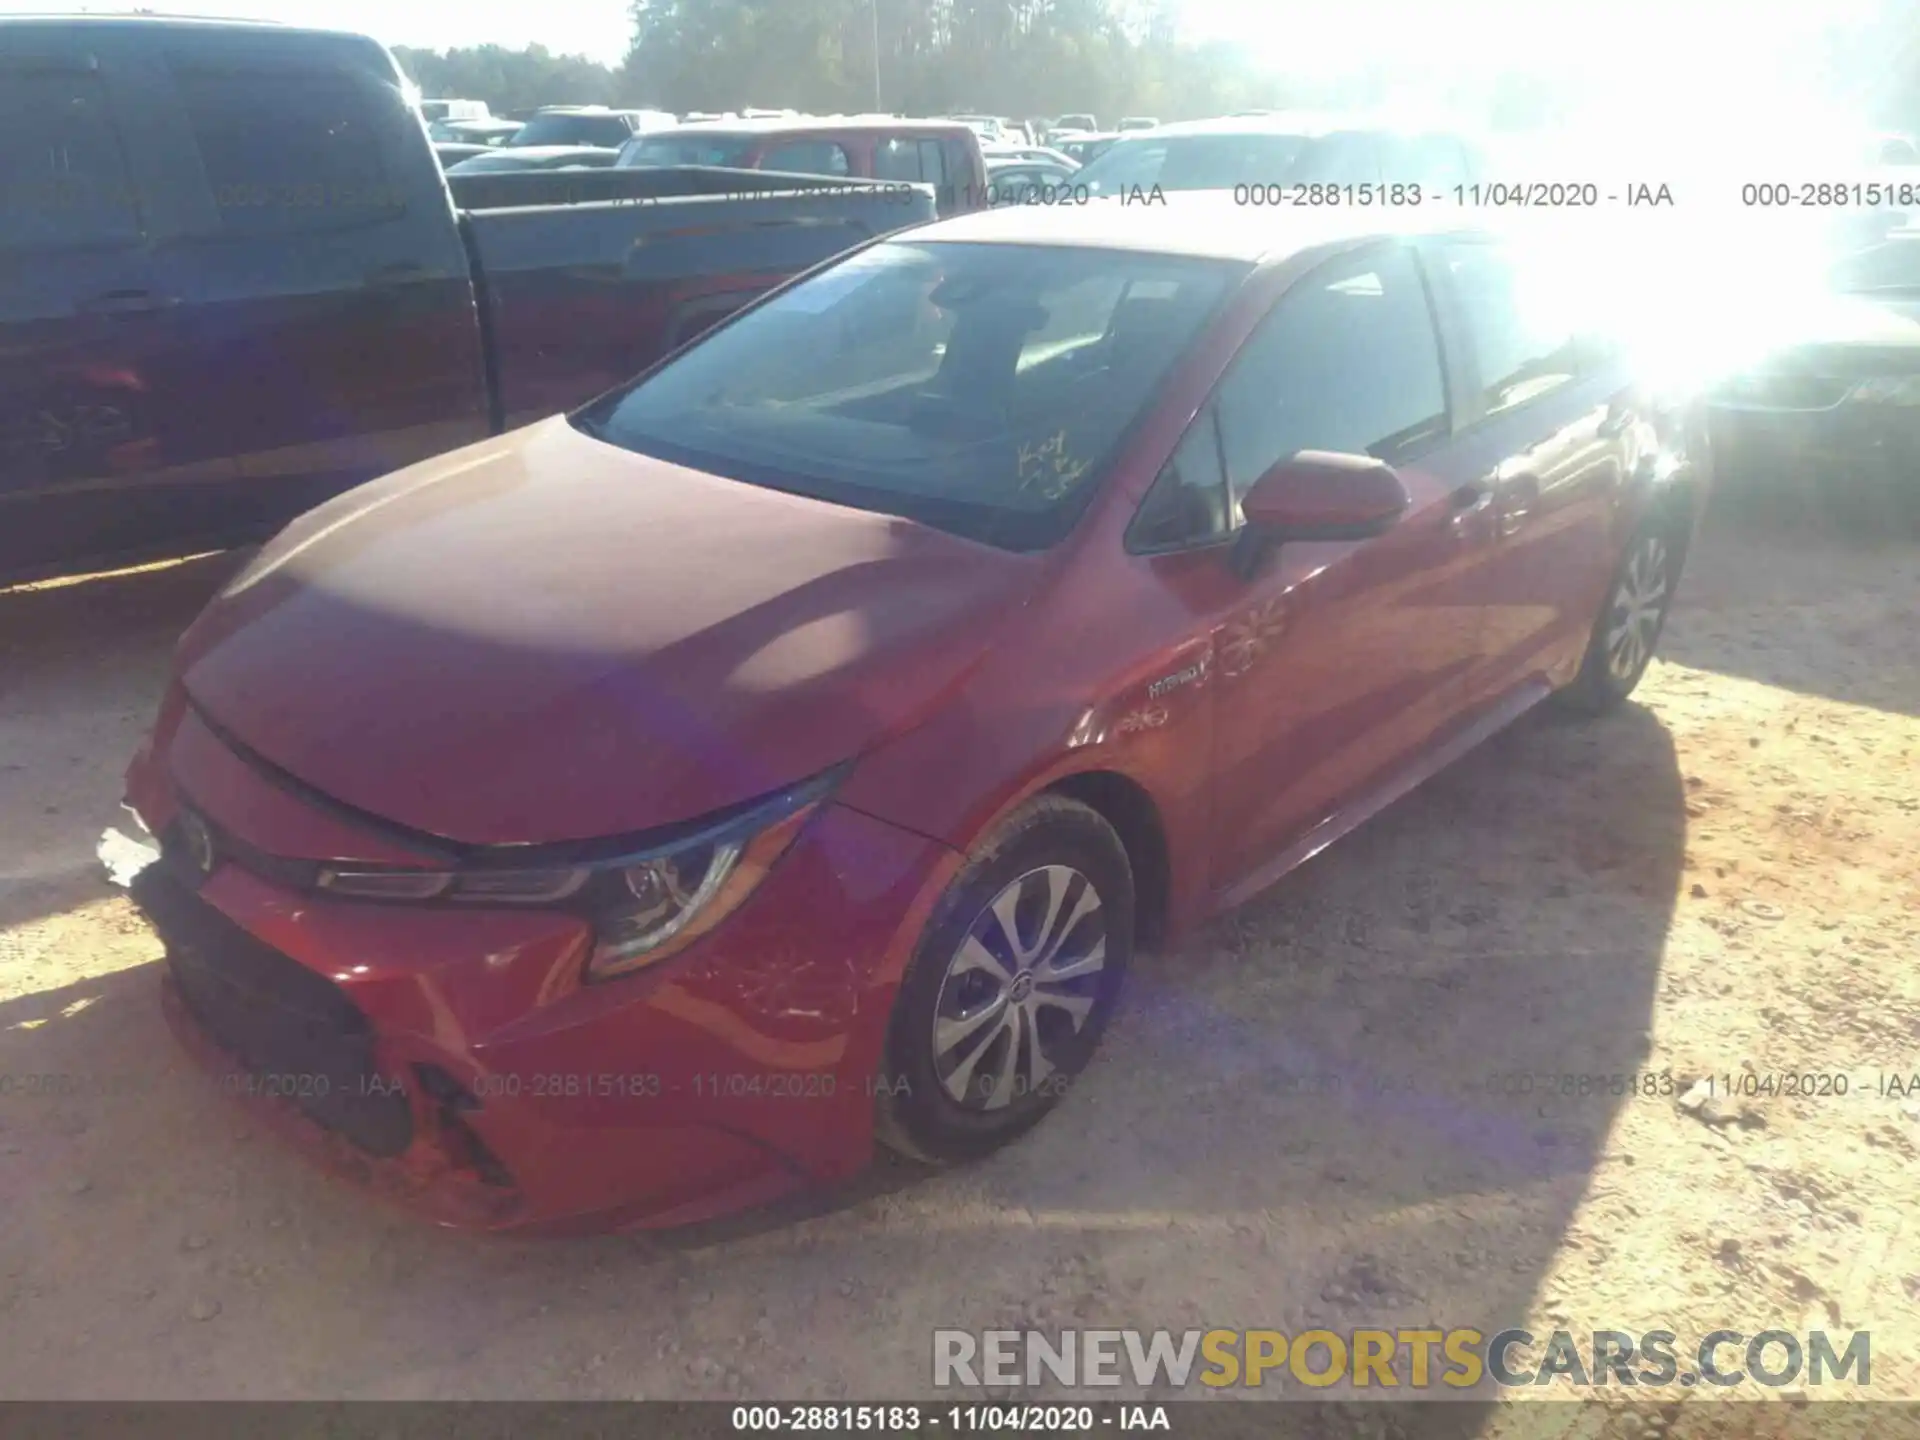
545	638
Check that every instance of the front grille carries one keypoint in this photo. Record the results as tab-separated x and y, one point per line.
294	1032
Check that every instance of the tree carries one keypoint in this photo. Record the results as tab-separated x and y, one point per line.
1001	57
510	79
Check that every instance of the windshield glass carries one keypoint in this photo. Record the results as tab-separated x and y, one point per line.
1194	162
608	130
687	150
976	388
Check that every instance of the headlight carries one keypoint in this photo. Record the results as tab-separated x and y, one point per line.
645	905
1887	390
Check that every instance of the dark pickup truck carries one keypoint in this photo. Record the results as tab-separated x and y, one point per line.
234	281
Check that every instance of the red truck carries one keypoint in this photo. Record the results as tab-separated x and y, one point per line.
234	281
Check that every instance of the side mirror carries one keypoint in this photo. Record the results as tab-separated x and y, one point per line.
1318	495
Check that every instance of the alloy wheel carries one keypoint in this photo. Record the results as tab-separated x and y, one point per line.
1019	988
1639	604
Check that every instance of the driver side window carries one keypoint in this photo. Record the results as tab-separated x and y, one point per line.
1348	362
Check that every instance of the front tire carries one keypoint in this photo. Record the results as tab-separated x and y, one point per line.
1011	986
1630	622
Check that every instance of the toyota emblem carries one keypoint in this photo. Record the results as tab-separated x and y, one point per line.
198	842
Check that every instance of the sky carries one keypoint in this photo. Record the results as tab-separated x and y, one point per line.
1636	39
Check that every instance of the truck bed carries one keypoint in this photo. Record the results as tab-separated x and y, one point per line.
579	292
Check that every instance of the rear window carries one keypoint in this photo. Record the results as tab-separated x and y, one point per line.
1195	162
727	150
981	389
318	166
905	158
807	157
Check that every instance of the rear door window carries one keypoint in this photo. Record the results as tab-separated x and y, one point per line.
898	159
289	150
63	178
808	157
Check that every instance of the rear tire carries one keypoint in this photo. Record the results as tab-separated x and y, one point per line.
1630	622
1011	986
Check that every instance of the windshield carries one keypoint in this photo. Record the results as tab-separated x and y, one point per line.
608	130
727	150
976	388
1194	162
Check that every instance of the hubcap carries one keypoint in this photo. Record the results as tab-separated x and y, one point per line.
1639	602
1019	988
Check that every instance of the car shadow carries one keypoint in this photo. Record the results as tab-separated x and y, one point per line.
1766	602
83	663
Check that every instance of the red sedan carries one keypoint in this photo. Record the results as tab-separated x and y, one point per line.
632	817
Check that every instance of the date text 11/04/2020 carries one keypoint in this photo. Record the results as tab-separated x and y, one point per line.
962	1419
1531	195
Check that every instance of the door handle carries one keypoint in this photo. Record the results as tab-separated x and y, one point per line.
1617	421
125	302
1469	501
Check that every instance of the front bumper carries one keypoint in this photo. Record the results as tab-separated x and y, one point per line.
452	1060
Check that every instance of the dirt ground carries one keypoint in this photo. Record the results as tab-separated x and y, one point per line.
1298	1119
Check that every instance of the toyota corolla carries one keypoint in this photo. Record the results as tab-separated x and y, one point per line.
633	817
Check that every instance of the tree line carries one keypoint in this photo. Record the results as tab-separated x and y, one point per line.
1018	58
1026	58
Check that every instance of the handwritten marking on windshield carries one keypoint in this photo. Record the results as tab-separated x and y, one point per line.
1048	468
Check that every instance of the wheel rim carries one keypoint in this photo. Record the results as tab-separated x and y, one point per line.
1639	603
1019	988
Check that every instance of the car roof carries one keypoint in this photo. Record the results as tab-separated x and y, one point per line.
185	24
1204	223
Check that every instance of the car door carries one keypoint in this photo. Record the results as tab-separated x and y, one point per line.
77	351
1549	426
323	312
1337	662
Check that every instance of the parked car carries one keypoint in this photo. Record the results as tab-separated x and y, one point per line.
943	154
1041	154
588	125
432	110
1084	123
450	155
1278	151
1138	122
987	127
829	712
485	133
211	323
1030	182
536	157
1083	149
1825	427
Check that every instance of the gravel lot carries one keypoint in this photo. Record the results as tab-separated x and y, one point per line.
1719	878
